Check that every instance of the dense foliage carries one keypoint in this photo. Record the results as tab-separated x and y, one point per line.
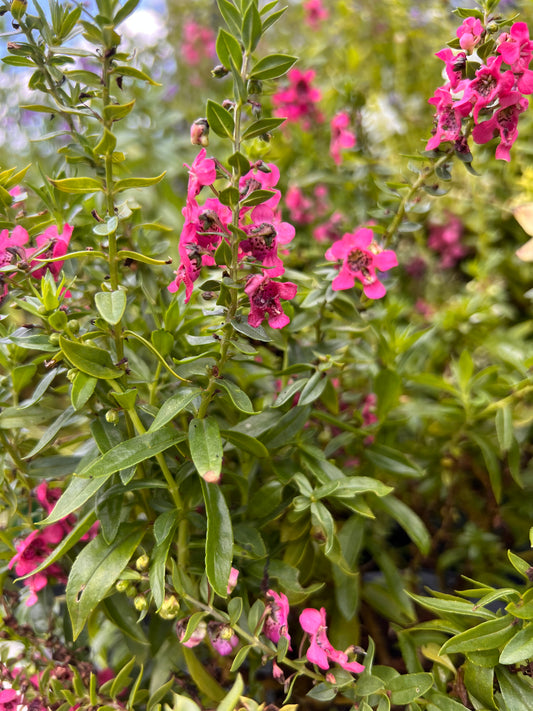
265	347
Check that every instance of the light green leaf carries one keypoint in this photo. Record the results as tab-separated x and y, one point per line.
115	112
126	71
519	648
83	387
238	397
89	359
408	687
409	521
173	406
230	701
487	635
228	48
272	66
219	539
129	183
262	126
111	305
78	185
205	444
95	571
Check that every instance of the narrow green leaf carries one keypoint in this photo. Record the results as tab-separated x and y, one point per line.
115	112
272	66
83	387
258	128
220	120
106	144
95	571
504	428
230	701
441	606
238	397
158	559
231	16
516	689
125	11
251	27
408	687
129	183
124	70
203	679
487	635
78	185
89	359
205	444
519	648
409	521
219	539
313	389
245	443
228	49
173	406
50	433
111	305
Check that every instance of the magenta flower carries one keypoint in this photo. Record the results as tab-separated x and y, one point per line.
232	580
490	84
361	257
470	33
330	230
196	637
9	700
57	247
265	295
505	122
276	624
321	651
315	13
31	552
299	206
341	137
201	172
446	240
515	47
265	234
299	101
454	65
222	637
262	176
198	43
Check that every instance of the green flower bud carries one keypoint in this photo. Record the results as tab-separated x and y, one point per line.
71	374
112	417
170	608
142	562
54	339
140	603
122	585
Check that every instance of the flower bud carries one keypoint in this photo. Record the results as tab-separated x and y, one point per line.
122	585
200	133
169	608
142	562
255	86
112	417
219	71
73	325
71	374
140	603
492	27
53	338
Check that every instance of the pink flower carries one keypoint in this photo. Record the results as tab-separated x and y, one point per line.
262	176
505	122
9	700
341	137
490	84
330	230
470	33
196	637
448	118
276	624
321	651
222	637
198	43
515	47
56	246
446	240
265	295
454	65
299	101
232	581
265	234
315	13
299	206
361	257
202	172
11	251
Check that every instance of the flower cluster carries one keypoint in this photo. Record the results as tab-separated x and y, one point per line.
263	232
35	548
198	43
490	103
298	102
361	256
14	254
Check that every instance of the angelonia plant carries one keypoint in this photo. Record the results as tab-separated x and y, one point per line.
228	474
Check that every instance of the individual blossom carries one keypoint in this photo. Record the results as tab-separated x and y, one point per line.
470	33
222	637
504	122
200	132
361	257
455	63
330	230
9	700
232	580
517	50
196	637
321	652
489	84
202	172
265	296
341	137
198	43
448	118
300	207
261	176
50	244
315	13
446	240
265	233
298	103
276	622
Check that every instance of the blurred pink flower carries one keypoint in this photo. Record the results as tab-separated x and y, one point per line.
299	101
315	13
321	651
9	700
341	137
361	256
446	240
198	43
201	172
57	247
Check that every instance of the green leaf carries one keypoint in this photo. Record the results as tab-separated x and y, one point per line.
519	564
456	607
220	120
129	183
410	521
203	679
95	571
251	27
219	539
173	406
519	648
106	144
487	635
313	389
230	701
241	656
239	162
392	460
89	359
245	443
125	11
158	559
205	444
255	333
262	126
127	71
368	684
480	682
111	305
78	185
492	462
228	49
231	16
516	689
273	66
223	255
504	428
115	112
257	197
408	687
238	397
388	388
106	228
132	452
50	433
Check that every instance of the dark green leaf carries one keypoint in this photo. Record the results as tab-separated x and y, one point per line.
272	66
206	448
258	128
219	539
89	359
220	120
